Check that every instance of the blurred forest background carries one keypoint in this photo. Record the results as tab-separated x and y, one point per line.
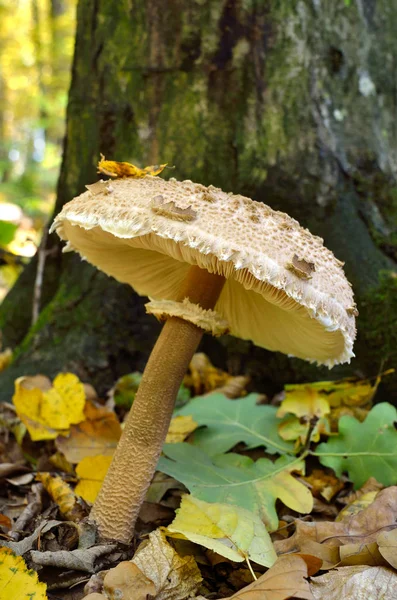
291	103
36	49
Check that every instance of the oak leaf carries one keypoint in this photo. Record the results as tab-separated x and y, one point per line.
236	479
228	422
364	450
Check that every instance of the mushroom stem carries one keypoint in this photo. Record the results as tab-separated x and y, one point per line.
134	462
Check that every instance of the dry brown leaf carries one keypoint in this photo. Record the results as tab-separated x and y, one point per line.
127	581
361	503
369	486
361	554
175	577
387	542
355	583
361	528
5	522
285	579
97	434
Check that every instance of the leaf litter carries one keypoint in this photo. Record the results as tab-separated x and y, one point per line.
243	462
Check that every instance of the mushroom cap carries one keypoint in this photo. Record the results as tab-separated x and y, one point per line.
284	291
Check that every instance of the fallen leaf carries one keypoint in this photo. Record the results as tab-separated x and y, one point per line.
125	169
364	450
371	485
63	495
27	543
387	542
161	483
356	506
229	422
323	484
17	582
285	579
81	560
236	479
180	428
127	581
304	401
353	583
91	472
203	378
229	530
361	554
5	359
97	434
363	527
5	522
48	411
175	577
292	428
348	396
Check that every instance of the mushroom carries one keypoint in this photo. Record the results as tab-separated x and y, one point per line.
209	261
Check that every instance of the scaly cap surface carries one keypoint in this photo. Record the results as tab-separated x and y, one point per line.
285	291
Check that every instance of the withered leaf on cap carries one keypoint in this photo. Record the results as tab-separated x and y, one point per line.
125	169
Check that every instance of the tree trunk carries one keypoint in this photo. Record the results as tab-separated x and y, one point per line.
292	104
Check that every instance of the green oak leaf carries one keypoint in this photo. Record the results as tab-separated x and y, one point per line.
238	480
229	422
364	450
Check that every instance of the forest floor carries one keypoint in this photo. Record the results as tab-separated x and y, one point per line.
255	498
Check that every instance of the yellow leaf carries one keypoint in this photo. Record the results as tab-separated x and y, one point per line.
5	358
304	401
17	582
91	471
97	434
49	411
180	427
231	531
292	428
61	493
125	169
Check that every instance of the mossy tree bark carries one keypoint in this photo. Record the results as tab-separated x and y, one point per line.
292	104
